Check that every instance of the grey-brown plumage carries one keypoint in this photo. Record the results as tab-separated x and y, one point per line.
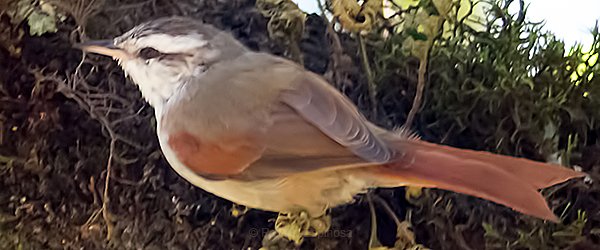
262	131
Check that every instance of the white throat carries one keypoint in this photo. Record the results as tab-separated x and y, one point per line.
156	83
157	96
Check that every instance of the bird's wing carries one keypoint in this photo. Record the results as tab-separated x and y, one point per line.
335	115
309	125
317	127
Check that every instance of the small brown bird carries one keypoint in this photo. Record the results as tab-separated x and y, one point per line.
263	132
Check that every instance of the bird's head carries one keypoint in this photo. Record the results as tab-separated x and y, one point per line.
163	54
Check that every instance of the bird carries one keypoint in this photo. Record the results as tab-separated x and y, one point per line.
261	131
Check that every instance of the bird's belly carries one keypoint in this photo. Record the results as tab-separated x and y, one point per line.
312	192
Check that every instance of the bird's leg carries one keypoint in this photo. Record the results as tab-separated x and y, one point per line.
296	226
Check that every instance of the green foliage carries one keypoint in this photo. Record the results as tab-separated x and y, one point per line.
539	236
40	23
508	89
41	16
512	89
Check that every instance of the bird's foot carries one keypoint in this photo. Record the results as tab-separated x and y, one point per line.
296	226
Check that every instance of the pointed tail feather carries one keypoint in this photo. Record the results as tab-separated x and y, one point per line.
506	180
538	174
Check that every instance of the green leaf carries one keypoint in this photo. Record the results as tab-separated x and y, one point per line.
40	23
412	32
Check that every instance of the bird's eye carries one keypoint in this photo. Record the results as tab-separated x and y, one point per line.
149	53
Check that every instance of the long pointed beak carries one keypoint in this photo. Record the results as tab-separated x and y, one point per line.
103	47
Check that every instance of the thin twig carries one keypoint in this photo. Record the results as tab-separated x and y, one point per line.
130	142
71	94
7	159
71	91
369	73
373	240
105	198
125	118
321	8
122	7
388	209
419	94
336	51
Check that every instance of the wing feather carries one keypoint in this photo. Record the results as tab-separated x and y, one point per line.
336	116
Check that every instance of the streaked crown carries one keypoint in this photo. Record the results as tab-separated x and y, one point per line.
162	54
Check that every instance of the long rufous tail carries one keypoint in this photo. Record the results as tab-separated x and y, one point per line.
510	181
